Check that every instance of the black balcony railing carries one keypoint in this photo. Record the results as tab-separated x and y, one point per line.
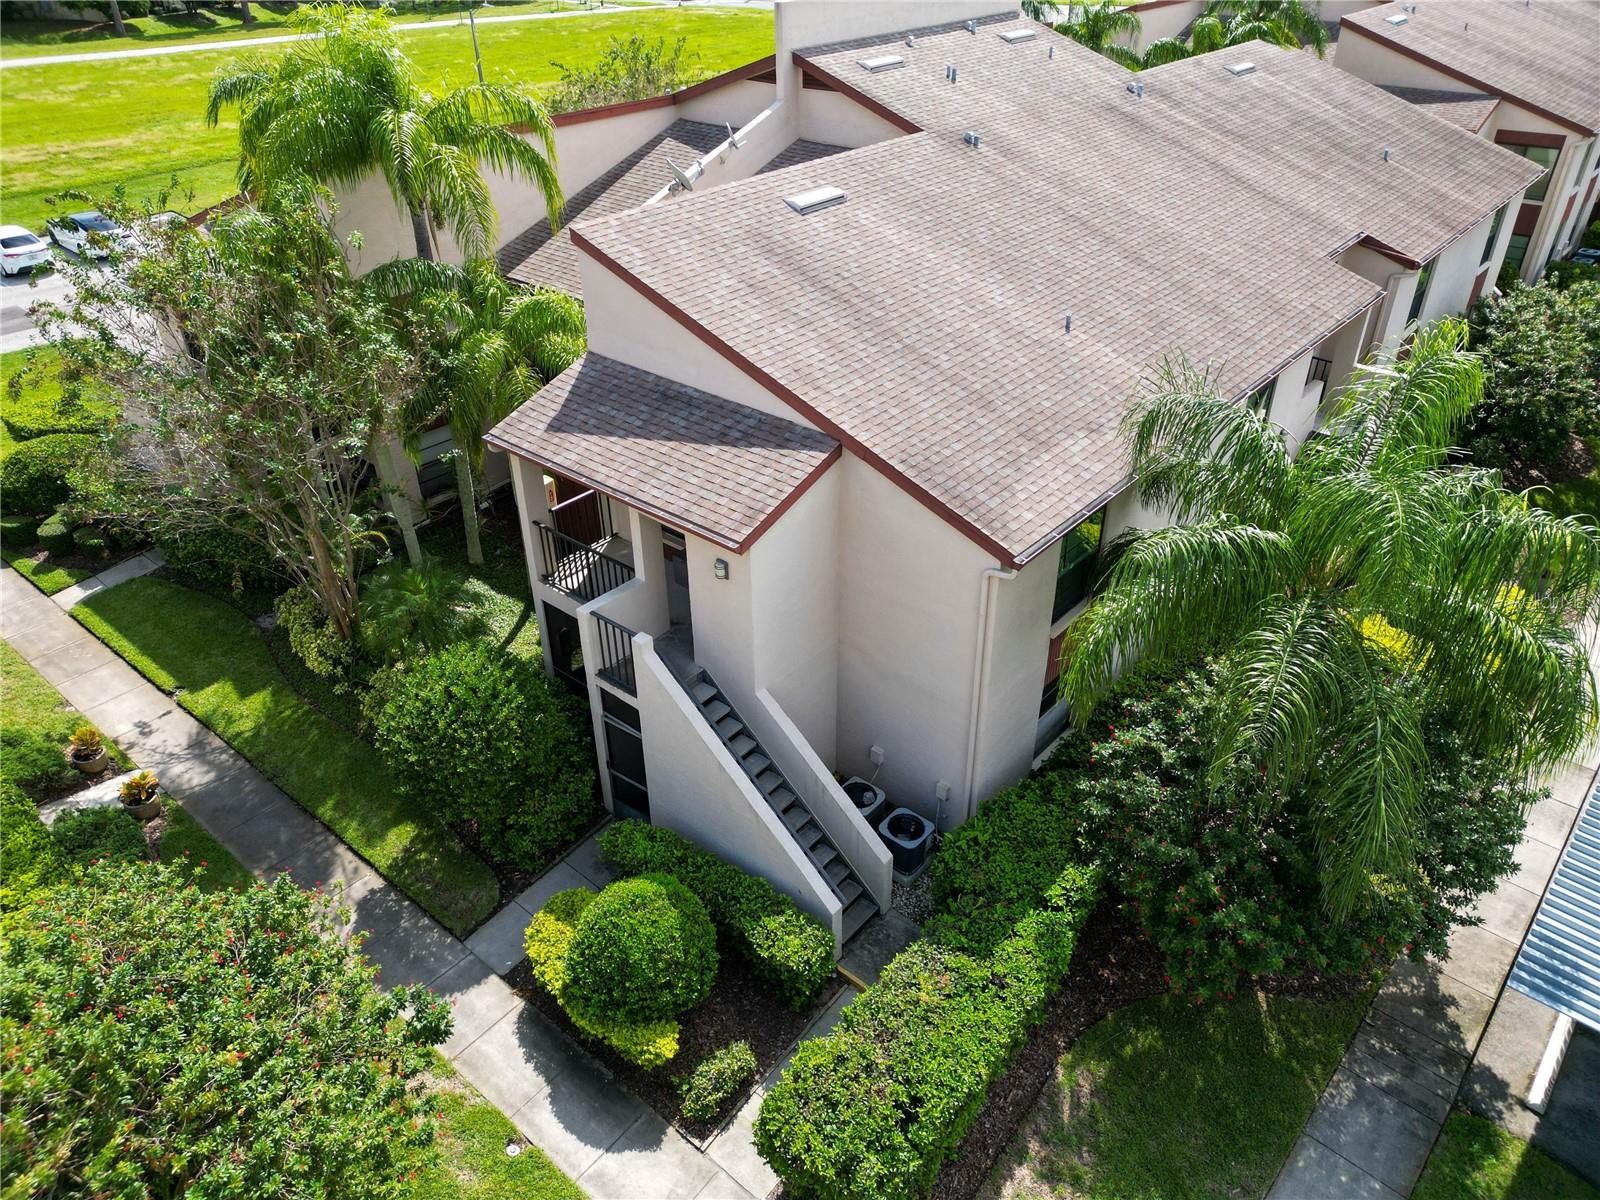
580	571
616	654
585	517
1319	370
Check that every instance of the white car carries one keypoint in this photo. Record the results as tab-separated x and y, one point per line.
21	248
91	234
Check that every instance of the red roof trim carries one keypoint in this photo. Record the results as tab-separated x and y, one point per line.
1346	25
927	499
1518	137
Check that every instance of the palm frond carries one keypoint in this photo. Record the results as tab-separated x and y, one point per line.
1169	591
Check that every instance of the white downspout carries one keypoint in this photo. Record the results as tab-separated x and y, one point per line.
980	674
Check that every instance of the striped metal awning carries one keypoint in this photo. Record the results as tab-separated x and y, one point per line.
1559	964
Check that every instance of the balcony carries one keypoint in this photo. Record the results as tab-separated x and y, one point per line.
583	571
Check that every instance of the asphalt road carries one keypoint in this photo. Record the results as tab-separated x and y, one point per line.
17	292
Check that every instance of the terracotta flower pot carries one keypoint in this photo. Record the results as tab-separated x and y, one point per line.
90	766
144	812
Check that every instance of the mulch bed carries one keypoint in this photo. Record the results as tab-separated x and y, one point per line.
1574	462
740	1008
512	878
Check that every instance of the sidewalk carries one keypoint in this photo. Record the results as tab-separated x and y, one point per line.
558	1097
1371	1133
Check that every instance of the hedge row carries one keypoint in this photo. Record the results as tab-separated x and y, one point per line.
874	1108
790	950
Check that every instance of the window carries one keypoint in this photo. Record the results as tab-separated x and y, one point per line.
1516	250
1545	156
1080	551
1420	296
1494	234
1260	400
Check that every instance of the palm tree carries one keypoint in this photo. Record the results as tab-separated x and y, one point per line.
343	104
1092	23
118	25
499	344
1226	23
1354	590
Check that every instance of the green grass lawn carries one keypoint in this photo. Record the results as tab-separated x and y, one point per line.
469	1160
1574	497
1165	1100
214	659
138	122
35	39
35	724
496	590
1477	1160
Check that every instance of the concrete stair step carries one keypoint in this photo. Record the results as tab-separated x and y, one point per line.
756	764
769	781
741	744
808	835
716	710
796	817
849	890
834	871
857	915
702	692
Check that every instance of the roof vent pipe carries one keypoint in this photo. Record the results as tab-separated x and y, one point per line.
911	39
950	73
1137	89
1052	53
971	139
972	27
1386	154
1067	324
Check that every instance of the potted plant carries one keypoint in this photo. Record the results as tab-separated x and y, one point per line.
139	795
86	750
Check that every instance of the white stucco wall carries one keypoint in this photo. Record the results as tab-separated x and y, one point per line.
698	789
834	118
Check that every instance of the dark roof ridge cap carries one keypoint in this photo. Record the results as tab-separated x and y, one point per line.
900	35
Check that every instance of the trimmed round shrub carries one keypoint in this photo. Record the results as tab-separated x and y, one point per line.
650	1044
719	1077
91	541
222	556
34	475
55	534
477	734
644	950
92	834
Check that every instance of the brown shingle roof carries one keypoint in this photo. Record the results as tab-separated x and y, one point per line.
694	460
921	321
535	259
1469	110
1538	53
799	152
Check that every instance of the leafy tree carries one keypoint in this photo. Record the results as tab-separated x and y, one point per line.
1540	348
1225	23
164	1041
496	345
632	69
345	103
256	378
1356	589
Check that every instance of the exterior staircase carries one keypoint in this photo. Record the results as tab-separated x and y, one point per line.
859	906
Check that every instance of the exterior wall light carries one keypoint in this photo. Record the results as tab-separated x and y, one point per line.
720	568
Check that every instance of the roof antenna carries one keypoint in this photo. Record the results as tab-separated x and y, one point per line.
972	27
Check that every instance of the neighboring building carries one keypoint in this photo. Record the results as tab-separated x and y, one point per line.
829	485
1521	73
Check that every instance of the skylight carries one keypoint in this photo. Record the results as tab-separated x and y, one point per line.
1243	68
810	201
883	62
1018	35
1398	19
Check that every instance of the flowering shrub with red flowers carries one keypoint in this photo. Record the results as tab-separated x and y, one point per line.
164	1041
1226	884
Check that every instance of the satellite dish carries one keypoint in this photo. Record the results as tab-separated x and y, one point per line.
685	178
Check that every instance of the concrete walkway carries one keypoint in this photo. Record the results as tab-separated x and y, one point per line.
1375	1126
561	1099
